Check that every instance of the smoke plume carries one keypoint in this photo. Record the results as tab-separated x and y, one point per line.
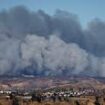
35	43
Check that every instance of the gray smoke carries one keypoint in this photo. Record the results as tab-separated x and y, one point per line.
36	43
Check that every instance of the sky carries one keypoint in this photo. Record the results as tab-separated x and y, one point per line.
85	9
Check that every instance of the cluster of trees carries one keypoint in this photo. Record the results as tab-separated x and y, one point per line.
39	99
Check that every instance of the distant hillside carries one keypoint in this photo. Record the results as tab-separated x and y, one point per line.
51	82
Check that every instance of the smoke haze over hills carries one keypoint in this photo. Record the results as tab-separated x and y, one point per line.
36	43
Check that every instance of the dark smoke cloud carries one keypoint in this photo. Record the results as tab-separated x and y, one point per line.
39	44
95	37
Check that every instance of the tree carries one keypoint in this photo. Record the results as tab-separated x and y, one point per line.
97	101
15	101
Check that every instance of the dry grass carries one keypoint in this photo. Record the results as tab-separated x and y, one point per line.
5	102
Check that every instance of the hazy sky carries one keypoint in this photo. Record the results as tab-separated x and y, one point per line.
85	9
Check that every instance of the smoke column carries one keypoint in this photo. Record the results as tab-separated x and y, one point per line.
35	43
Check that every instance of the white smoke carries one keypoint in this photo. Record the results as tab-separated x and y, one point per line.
47	55
63	56
53	54
9	54
32	49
